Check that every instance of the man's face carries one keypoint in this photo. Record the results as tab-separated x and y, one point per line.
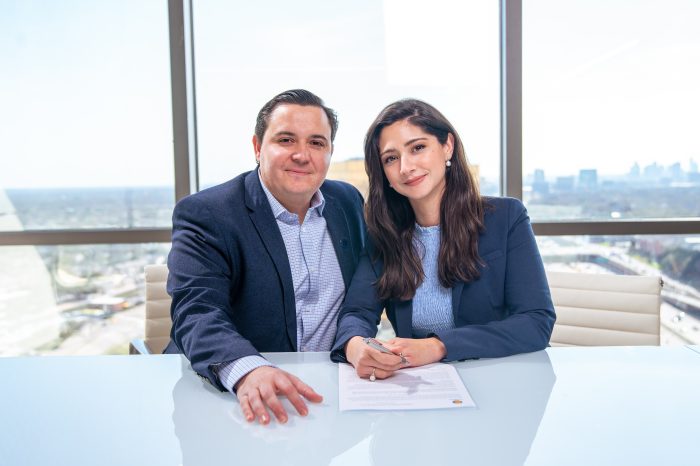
295	153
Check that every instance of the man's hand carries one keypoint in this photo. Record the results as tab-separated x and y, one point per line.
367	360
257	391
418	351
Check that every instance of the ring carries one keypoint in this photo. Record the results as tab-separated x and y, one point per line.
404	361
373	377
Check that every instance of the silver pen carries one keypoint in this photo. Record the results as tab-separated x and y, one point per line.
379	347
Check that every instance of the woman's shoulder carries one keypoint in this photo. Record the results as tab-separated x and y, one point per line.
502	207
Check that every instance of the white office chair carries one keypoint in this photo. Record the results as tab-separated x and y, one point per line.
605	310
158	322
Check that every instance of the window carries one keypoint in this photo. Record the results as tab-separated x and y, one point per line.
357	56
87	144
609	109
86	123
86	115
676	259
77	299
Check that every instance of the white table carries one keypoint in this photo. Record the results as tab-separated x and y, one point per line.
563	406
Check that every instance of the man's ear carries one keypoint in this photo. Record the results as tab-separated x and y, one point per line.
256	149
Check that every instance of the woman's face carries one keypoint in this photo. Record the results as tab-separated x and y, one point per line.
414	162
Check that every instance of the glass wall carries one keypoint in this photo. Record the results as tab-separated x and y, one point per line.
86	124
676	259
609	90
610	102
358	56
86	131
78	299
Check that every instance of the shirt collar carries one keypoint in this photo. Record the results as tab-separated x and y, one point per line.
317	204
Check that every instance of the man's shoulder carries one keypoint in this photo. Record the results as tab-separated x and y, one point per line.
219	195
341	190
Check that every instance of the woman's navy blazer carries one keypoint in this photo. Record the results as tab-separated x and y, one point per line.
507	310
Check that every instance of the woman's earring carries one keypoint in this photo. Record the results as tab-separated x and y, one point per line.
448	163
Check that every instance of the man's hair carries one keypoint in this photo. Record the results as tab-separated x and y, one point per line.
294	97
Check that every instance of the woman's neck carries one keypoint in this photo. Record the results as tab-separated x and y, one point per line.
427	211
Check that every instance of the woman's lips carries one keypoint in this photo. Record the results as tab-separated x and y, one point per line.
415	181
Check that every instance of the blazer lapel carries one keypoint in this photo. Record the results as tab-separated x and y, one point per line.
340	236
261	215
456	301
404	318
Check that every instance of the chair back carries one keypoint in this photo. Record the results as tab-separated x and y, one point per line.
158	321
605	310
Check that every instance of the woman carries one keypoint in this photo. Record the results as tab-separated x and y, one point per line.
459	274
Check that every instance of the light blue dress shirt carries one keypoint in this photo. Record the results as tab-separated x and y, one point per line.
318	283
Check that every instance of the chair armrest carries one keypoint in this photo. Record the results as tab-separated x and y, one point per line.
138	346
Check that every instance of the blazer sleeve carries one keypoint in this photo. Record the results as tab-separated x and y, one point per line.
202	275
362	309
529	311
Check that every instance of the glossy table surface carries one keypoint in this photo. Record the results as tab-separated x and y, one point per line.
562	406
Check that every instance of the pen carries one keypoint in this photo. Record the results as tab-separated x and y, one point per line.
376	345
379	347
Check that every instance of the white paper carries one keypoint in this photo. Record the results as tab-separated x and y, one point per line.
428	387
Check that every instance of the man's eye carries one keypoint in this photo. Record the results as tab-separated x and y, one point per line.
285	140
318	143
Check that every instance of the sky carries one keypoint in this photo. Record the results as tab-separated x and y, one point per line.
85	86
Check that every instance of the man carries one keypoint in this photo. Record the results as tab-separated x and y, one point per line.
261	262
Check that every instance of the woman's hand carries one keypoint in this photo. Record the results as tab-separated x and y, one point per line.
418	351
368	361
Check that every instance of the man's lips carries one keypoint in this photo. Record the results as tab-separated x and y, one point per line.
297	172
414	181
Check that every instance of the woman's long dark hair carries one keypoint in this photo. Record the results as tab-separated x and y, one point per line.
391	220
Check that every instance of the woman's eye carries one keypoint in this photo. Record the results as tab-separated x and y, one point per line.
389	160
418	147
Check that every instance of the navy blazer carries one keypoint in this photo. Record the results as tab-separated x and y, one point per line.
230	279
507	310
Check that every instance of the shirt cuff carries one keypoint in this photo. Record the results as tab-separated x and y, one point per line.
231	372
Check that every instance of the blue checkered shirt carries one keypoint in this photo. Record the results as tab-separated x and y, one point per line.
318	283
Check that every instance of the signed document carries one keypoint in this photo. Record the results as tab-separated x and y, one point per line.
427	387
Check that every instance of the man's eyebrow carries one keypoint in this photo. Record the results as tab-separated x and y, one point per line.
284	133
289	133
319	136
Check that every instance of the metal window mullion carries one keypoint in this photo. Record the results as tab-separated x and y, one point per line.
511	98
84	236
618	228
182	91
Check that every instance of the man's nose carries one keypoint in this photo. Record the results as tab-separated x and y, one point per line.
301	153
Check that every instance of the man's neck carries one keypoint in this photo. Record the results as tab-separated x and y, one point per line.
298	205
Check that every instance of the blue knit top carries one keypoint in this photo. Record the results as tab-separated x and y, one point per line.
432	304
